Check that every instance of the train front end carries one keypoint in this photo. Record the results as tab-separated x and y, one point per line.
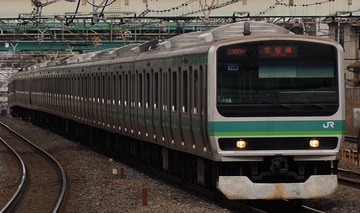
276	116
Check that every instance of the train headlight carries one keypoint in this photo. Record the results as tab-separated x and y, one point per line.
241	144
314	143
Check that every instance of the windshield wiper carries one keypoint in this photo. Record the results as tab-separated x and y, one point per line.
310	104
276	103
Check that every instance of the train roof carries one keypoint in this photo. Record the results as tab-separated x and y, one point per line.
227	31
192	39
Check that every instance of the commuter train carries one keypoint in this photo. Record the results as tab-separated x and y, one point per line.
248	108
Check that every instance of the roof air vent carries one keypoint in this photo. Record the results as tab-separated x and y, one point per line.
247	30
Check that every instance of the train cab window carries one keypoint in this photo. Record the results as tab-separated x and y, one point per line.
277	78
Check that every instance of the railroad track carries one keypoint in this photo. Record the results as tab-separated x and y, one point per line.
349	178
41	184
351	139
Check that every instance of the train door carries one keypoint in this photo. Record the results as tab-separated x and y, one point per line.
65	90
133	103
157	107
68	90
120	101
39	92
175	119
86	97
198	110
122	94
166	108
112	99
97	99
58	92
29	100
149	93
109	99
99	96
186	124
91	89
51	92
54	101
80	97
106	107
75	95
71	90
127	102
140	106
61	94
102	99
42	87
83	97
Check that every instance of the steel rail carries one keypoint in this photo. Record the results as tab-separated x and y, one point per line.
61	169
10	204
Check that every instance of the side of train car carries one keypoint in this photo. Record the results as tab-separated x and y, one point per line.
247	107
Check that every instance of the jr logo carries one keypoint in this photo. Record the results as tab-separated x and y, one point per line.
329	124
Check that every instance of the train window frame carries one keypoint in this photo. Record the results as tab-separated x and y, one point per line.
164	92
114	87
126	87
174	90
195	91
103	88
120	88
156	90
148	91
140	87
185	89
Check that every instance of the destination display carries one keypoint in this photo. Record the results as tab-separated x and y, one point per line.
266	51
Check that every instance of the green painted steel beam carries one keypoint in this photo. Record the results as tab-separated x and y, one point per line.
58	46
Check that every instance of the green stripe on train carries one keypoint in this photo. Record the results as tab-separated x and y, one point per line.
270	128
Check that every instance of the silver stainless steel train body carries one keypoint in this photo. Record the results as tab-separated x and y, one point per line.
250	95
